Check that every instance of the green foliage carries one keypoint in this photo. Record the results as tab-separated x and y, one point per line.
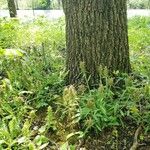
3	4
29	76
139	40
41	42
50	122
33	4
140	4
108	107
44	4
8	33
96	110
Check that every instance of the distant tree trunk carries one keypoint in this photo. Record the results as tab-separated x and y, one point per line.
96	35
149	4
17	6
12	8
59	4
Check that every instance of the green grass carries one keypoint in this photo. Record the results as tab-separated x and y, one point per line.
139	31
37	111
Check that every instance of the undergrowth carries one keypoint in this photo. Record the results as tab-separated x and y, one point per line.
37	111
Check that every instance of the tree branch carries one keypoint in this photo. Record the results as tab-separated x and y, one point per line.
135	141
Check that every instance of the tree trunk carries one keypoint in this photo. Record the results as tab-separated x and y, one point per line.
96	35
16	3
12	8
59	4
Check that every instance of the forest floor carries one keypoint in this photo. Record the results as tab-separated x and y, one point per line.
37	110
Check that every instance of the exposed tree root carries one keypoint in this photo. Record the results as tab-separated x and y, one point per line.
135	141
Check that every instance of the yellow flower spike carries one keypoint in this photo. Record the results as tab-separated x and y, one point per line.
134	110
90	103
110	81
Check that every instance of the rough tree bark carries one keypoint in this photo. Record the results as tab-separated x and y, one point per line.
12	8
96	35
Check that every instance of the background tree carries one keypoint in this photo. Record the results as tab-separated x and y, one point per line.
44	4
59	3
16	4
12	8
96	35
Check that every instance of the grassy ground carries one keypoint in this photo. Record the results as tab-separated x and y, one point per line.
38	112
